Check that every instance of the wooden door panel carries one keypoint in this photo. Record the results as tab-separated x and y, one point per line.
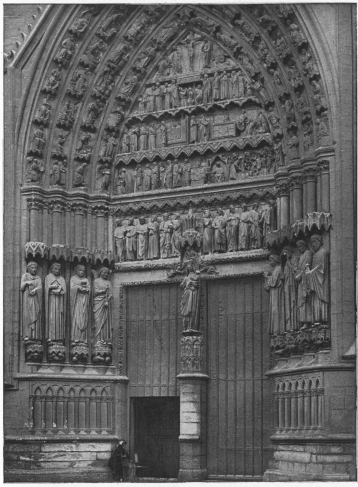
239	400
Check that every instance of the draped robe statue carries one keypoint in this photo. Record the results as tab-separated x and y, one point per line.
232	221
244	229
102	306
31	287
131	240
55	290
175	240
318	280
208	246
274	284
290	290
219	225
304	305
189	306
79	298
153	238
142	239
119	239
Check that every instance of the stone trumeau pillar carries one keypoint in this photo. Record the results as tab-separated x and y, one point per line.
193	401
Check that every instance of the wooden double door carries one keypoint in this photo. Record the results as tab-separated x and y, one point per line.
237	419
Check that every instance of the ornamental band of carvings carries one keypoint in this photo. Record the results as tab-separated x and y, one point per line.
299	298
219	233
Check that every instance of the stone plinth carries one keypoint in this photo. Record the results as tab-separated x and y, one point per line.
192	439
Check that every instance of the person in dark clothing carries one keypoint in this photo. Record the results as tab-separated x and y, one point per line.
119	461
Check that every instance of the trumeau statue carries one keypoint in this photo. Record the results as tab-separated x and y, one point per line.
102	306
55	291
31	287
274	284
190	300
79	300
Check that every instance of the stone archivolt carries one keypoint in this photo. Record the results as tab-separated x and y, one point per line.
103	57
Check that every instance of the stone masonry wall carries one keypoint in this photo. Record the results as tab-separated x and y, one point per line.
83	461
313	462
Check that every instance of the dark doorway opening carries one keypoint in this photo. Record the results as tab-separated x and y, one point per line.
156	435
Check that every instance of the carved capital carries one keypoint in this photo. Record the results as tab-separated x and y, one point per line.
34	203
296	181
283	188
57	205
323	166
310	175
79	209
100	211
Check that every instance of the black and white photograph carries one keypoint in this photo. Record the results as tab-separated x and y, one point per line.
179	242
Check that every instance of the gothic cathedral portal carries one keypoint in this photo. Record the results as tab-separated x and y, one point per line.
180	242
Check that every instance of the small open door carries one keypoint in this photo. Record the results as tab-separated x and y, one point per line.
156	435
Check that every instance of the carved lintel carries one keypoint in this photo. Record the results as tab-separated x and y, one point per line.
79	352
33	350
191	352
32	249
56	351
102	352
59	250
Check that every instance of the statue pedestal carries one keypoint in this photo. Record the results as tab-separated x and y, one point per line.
192	439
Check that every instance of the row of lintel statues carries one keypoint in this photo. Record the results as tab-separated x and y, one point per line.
298	287
221	233
54	300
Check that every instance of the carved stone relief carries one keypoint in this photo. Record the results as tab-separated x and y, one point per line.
299	297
